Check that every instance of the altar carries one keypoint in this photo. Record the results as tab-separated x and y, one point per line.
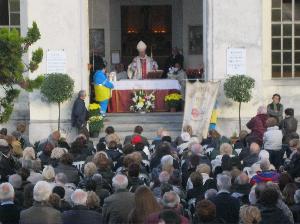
122	93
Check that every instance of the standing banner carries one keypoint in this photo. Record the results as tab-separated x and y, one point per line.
200	99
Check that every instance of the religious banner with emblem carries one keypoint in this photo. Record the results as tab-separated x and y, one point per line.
199	103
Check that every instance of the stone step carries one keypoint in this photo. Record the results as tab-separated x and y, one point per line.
124	123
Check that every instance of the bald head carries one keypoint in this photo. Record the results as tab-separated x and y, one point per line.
254	148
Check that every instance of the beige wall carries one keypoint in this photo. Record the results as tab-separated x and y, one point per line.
63	25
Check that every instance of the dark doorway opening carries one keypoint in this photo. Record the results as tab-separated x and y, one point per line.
153	25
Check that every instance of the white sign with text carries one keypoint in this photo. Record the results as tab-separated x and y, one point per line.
56	61
236	61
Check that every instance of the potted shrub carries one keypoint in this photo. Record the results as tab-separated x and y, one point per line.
173	101
58	88
95	120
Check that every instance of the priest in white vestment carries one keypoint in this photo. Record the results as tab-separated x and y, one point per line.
142	64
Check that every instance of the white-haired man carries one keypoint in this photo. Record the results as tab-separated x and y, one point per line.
170	201
142	64
9	212
229	213
41	212
80	214
117	206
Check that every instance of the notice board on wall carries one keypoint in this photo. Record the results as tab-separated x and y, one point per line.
56	61
236	61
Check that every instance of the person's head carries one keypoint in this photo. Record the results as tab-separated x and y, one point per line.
3	131
79	197
262	110
21	127
55	135
24	173
254	148
265	164
93	201
48	173
7	192
271	122
82	94
61	179
294	143
119	182
196	149
119	68
145	202
288	193
169	217
127	149
226	149
226	163
141	47
170	200
90	169
41	191
284	179
196	179
133	170
138	130
15	180
164	177
242	179
66	159
264	154
109	130
223	182
269	197
60	191
206	210
210	193
289	112
4	147
57	153
167	163
297	196
250	214
29	153
101	160
203	168
137	141
54	200
276	98
177	66
112	140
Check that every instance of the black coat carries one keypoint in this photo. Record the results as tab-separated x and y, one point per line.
9	214
273	215
289	128
296	212
229	213
81	215
79	113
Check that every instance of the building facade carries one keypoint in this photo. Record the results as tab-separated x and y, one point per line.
268	30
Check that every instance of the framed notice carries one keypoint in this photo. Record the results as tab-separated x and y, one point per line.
236	61
56	61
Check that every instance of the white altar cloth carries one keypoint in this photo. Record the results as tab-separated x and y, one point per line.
149	84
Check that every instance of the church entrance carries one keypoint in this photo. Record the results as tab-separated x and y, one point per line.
150	23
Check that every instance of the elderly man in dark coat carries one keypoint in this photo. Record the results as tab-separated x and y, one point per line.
117	206
80	213
79	112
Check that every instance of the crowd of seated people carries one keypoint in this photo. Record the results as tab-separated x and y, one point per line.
255	179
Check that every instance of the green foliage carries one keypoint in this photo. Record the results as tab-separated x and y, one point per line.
57	88
239	88
12	68
95	123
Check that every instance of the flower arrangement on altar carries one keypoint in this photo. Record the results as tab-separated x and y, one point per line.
142	102
95	120
173	100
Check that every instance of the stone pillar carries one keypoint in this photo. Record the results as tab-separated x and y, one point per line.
63	25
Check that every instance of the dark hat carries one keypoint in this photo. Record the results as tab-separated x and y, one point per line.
4	146
60	191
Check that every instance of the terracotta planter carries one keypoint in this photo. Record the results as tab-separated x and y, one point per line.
173	109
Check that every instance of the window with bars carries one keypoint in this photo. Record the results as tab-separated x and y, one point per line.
285	38
10	14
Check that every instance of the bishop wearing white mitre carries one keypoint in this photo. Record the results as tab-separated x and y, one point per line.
142	64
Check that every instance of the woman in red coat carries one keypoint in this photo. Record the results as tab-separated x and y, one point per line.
257	125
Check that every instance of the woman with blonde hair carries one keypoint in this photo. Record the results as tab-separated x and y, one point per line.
249	215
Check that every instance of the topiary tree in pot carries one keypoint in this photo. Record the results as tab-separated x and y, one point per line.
57	88
239	89
12	68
